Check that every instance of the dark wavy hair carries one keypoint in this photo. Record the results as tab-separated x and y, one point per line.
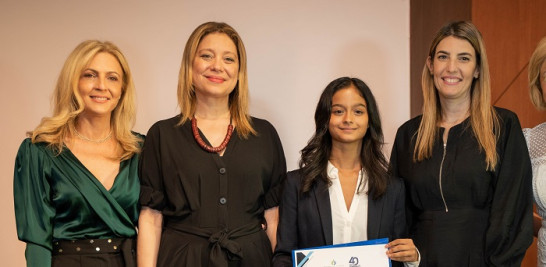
314	157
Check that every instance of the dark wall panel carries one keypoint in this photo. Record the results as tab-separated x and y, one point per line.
426	17
511	30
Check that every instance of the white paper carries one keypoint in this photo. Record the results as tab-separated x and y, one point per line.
370	253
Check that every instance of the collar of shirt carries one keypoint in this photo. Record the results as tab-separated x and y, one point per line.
332	171
347	225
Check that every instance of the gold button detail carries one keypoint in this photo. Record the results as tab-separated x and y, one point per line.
78	249
97	249
60	250
115	247
91	241
109	240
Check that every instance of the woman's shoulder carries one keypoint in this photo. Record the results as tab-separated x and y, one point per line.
508	120
505	114
412	124
263	127
536	141
27	143
28	148
166	124
294	174
169	122
408	129
294	178
259	123
537	130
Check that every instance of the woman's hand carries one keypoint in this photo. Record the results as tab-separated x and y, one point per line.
150	223
402	250
271	216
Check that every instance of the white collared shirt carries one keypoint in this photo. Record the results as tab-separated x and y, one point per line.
348	225
351	225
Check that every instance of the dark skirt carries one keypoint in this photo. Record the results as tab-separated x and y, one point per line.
113	252
452	239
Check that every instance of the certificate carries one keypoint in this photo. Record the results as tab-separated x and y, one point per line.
356	254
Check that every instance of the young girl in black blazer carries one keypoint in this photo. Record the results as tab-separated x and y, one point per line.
342	192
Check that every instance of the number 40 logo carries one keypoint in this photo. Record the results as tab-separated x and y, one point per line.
353	262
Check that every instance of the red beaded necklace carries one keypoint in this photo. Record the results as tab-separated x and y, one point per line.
202	143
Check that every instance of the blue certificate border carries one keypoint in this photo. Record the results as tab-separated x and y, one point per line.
358	243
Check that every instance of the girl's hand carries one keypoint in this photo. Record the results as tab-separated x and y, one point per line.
402	250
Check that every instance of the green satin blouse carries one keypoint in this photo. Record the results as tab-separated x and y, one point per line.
57	198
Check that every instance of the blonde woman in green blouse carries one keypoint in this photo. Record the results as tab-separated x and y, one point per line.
75	183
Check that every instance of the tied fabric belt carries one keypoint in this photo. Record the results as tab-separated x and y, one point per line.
220	240
125	246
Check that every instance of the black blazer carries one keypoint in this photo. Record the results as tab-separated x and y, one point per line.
306	219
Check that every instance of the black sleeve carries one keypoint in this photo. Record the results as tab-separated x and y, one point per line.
150	171
273	195
287	231
400	147
400	227
510	230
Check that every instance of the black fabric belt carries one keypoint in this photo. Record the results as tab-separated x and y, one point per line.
222	239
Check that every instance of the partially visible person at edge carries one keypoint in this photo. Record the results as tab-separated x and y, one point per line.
342	192
211	175
464	162
536	142
76	187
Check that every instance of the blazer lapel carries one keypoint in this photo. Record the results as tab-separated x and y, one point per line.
375	210
324	210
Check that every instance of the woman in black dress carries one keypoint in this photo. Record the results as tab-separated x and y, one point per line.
210	176
464	162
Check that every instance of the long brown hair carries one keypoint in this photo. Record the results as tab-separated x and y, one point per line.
314	157
483	118
238	99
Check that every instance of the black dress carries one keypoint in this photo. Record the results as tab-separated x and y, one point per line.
465	215
212	205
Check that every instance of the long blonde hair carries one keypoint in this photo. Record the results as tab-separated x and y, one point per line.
68	103
535	63
483	118
238	98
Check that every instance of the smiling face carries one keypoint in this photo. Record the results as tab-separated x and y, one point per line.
100	85
349	118
453	68
215	68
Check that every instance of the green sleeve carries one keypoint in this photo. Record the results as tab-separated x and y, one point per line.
34	212
37	256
